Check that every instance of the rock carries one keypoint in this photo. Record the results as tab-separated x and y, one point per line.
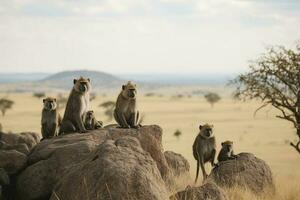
150	138
180	170
52	158
12	161
208	191
118	169
177	163
4	178
23	148
246	171
28	138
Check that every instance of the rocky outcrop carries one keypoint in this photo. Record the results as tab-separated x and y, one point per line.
12	161
118	169
208	191
52	159
30	139
245	171
179	169
4	178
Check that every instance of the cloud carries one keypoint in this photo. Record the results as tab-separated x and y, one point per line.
140	35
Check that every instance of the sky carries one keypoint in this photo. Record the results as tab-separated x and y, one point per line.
142	36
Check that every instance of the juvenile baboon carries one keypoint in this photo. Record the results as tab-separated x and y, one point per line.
226	153
204	148
51	119
126	113
77	106
91	122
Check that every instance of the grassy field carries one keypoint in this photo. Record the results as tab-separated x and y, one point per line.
264	135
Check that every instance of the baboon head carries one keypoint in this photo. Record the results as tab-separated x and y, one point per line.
228	145
129	90
50	103
206	130
89	114
82	85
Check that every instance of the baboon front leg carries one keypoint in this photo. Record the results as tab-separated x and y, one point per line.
79	124
133	120
233	156
44	131
138	119
98	124
120	119
52	131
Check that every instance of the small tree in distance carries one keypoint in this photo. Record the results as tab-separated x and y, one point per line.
5	104
212	98
274	78
177	133
39	94
109	109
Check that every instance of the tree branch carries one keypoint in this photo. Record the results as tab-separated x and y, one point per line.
296	146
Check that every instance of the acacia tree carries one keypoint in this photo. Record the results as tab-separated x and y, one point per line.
5	104
212	98
39	94
109	107
274	78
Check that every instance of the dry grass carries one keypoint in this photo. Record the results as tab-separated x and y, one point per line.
286	189
264	135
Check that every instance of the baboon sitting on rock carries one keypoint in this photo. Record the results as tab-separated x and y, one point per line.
77	106
126	113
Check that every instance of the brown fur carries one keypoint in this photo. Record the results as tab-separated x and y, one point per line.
126	113
77	106
91	122
204	148
226	153
51	119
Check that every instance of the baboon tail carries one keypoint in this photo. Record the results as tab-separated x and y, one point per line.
197	173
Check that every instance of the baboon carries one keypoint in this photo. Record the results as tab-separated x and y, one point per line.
51	119
226	153
91	122
126	113
77	106
204	149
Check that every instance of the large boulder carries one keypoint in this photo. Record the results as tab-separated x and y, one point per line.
28	138
23	148
12	161
245	171
4	178
118	169
52	158
208	191
150	138
180	170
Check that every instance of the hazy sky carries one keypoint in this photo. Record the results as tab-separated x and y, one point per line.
136	36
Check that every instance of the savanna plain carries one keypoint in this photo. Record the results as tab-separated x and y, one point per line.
263	134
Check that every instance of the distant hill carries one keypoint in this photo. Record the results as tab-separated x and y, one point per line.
21	77
64	80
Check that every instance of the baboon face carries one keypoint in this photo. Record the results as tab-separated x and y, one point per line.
206	130
129	90
50	103
228	145
82	85
89	114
